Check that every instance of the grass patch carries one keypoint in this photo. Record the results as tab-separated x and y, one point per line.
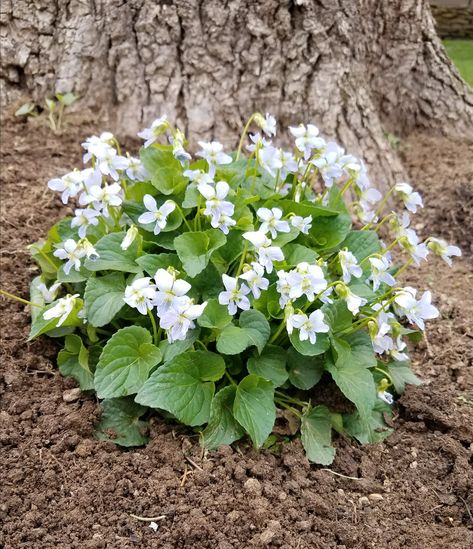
461	53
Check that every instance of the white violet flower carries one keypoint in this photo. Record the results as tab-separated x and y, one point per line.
379	272
129	237
84	218
151	134
267	253
140	295
49	294
234	295
349	265
180	319
304	224
410	198
156	215
443	249
169	291
62	309
308	326
255	279
272	222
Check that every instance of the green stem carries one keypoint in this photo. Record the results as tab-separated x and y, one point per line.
380	208
181	213
385	374
229	377
242	260
245	131
155	329
44	256
404	267
382	222
291	399
201	344
288	407
278	331
20	299
59	116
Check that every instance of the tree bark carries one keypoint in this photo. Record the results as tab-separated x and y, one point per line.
360	70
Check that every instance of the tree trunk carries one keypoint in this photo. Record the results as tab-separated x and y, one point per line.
360	70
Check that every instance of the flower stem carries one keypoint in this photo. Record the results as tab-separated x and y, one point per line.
288	407
242	260
20	299
245	131
44	256
230	379
278	331
181	213
380	208
155	329
404	267
291	399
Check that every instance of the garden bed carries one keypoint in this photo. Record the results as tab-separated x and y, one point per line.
63	488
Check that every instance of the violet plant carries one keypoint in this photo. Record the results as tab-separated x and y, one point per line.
220	289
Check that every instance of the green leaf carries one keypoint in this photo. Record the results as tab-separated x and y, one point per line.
171	350
41	326
270	365
195	248
165	171
337	315
362	244
73	276
214	316
304	372
254	407
256	327
73	361
152	262
36	297
120	422
125	362
25	109
67	99
304	208
316	430
373	428
42	253
222	427
184	386
207	284
232	341
254	330
355	350
296	253
322	343
356	383
103	298
112	257
192	197
330	231
402	375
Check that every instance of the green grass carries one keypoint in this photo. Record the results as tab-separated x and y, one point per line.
461	53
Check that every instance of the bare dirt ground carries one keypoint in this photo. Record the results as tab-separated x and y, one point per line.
61	487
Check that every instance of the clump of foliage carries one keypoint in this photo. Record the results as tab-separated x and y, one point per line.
221	288
54	108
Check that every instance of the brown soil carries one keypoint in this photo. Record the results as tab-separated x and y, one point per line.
63	488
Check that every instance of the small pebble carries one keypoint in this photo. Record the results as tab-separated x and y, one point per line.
375	497
71	395
363	501
253	486
413	465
